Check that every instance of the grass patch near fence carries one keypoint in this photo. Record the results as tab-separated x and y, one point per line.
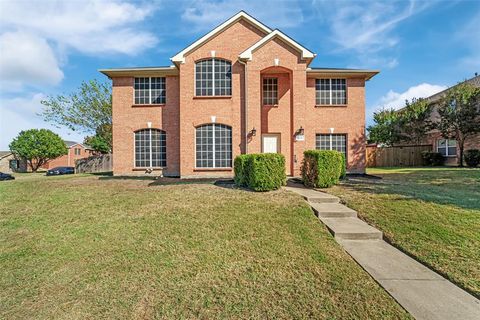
87	247
431	213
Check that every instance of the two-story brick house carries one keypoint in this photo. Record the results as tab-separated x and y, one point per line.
241	88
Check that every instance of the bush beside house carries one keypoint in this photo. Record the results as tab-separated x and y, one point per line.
472	157
322	168
260	172
432	158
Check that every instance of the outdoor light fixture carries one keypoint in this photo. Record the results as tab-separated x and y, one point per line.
253	132
301	131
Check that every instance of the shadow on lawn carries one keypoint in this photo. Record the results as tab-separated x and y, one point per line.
458	187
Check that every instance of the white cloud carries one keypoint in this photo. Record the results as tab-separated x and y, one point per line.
396	100
37	36
27	58
469	36
87	26
20	113
205	14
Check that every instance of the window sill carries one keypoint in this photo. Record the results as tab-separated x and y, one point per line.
148	105
212	169
331	105
148	168
212	97
270	105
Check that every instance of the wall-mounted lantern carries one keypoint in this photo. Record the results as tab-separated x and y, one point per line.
253	132
300	134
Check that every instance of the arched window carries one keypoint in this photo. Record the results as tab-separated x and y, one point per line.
213	77
150	148
213	146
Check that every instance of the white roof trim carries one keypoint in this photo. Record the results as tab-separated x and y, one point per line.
180	57
306	54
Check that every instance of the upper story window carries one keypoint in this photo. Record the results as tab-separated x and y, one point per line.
78	151
331	91
447	147
270	91
150	90
213	77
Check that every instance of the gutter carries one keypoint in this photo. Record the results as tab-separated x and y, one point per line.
245	98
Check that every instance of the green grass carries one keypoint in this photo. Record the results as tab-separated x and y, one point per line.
431	213
99	247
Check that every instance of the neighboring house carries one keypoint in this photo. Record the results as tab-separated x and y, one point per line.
448	147
241	88
9	164
75	151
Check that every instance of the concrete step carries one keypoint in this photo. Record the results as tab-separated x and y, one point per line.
351	229
314	196
333	210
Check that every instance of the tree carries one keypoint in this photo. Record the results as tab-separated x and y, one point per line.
386	129
89	110
459	112
37	147
97	143
414	120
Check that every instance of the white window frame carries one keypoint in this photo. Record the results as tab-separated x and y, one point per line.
330	140
149	91
150	142
213	147
330	92
213	78
271	86
447	145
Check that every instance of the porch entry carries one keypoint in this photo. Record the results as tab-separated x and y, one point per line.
271	143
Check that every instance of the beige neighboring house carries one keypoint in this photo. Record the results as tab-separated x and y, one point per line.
9	164
448	147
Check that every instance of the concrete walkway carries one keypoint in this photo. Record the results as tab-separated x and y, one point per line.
422	292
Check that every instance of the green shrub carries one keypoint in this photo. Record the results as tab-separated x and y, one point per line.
432	158
239	169
322	168
472	157
260	172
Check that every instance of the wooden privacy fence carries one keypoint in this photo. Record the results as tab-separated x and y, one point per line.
100	163
397	156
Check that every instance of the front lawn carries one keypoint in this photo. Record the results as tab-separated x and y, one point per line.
99	247
431	213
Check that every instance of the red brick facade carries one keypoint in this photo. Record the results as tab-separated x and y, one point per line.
243	109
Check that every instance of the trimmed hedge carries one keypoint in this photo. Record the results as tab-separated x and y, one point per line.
239	169
432	158
322	168
260	172
472	157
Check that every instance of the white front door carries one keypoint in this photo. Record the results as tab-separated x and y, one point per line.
270	143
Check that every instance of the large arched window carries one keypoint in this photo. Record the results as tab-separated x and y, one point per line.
213	146
150	148
213	77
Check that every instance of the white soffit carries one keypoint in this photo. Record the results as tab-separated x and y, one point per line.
180	57
306	54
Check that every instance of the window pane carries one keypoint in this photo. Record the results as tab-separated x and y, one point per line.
213	77
213	146
158	90
142	93
150	143
330	91
452	151
270	91
336	142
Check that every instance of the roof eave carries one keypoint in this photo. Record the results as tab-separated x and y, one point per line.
367	74
119	72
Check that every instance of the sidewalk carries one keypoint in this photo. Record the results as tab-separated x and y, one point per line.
422	292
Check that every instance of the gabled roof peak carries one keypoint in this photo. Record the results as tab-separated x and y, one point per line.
306	54
180	57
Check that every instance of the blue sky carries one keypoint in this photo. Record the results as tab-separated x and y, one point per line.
49	47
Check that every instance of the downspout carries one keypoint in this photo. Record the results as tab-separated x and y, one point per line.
245	99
